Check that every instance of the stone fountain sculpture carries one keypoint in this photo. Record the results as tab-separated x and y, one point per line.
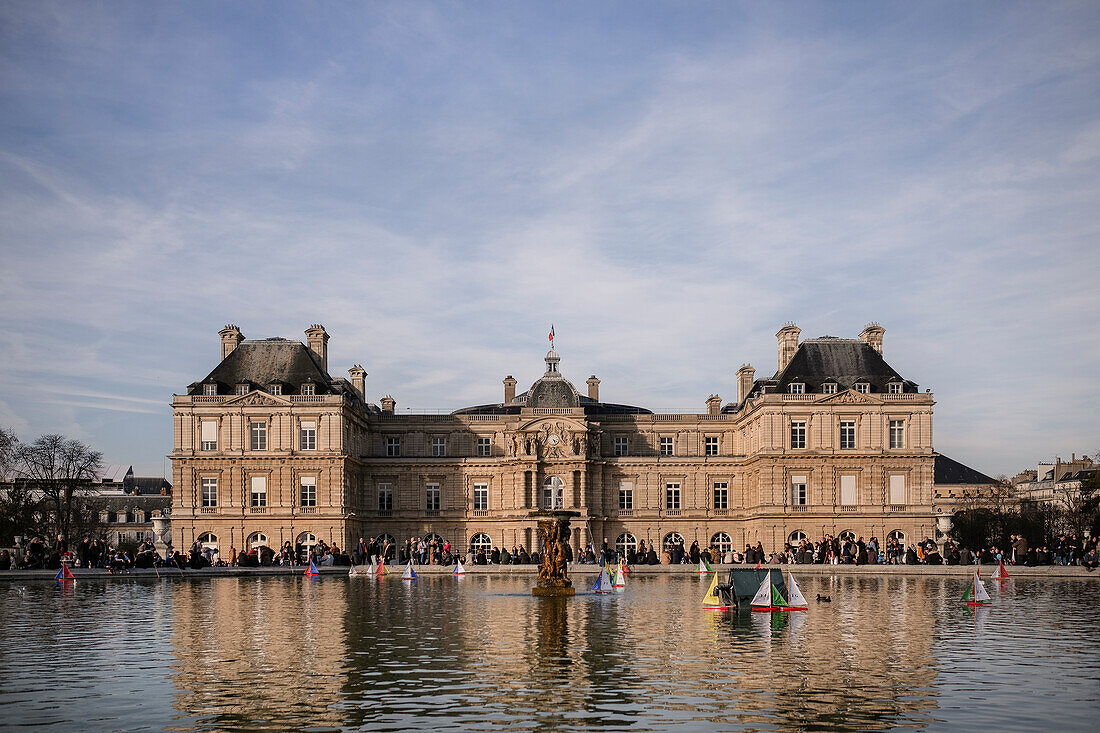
553	529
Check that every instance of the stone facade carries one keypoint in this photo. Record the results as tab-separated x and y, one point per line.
835	441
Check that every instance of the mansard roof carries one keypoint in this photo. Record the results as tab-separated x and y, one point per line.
840	360
949	471
260	363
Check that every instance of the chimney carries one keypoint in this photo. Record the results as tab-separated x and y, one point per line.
714	404
388	403
594	388
872	336
317	340
788	343
509	389
359	380
745	376
231	336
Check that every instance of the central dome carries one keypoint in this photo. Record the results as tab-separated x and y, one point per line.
552	389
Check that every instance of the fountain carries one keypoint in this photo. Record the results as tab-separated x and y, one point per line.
554	553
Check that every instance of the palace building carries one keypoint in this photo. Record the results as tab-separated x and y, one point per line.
270	447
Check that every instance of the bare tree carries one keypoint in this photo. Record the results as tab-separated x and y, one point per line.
60	469
8	445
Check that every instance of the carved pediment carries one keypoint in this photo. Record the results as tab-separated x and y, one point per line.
258	398
848	397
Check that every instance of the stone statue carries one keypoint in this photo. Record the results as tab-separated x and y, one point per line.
553	534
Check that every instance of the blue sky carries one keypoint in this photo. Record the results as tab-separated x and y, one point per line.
437	183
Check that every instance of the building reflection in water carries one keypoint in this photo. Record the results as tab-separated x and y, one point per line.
281	652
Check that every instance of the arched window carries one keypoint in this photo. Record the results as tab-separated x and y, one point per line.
481	541
307	540
722	542
672	538
847	535
208	540
384	538
625	543
433	536
795	538
553	493
256	539
898	536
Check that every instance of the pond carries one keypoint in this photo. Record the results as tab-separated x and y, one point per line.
479	653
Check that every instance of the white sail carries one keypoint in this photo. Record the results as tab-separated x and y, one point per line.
409	573
763	597
980	593
459	570
619	581
794	594
702	567
603	582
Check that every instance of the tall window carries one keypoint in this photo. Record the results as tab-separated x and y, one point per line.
307	493
799	494
553	493
848	490
308	389
209	435
481	497
897	433
666	445
798	388
209	492
710	445
385	497
258	435
259	491
798	433
828	388
308	435
431	497
622	446
393	447
847	434
897	488
626	495
721	495
672	495
485	447
863	387
439	447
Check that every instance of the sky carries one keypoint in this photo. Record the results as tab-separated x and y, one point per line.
438	183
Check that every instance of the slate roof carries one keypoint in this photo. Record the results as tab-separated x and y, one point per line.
260	363
591	407
949	471
831	359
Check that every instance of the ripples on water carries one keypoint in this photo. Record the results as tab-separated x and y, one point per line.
479	653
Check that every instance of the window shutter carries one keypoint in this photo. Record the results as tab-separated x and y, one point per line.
897	488
209	431
848	490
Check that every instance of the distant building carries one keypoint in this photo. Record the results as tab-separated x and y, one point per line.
270	448
1055	483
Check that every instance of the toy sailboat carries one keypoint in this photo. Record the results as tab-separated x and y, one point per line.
1001	573
64	575
409	573
311	570
976	594
703	567
618	580
712	601
459	570
371	568
768	597
381	568
603	582
797	601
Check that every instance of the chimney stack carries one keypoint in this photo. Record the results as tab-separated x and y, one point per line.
509	389
388	404
359	380
872	336
788	343
714	405
745	376
231	337
594	388
317	340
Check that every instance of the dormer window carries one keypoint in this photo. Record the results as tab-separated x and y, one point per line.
276	389
797	388
242	389
863	387
828	388
210	390
894	388
308	389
